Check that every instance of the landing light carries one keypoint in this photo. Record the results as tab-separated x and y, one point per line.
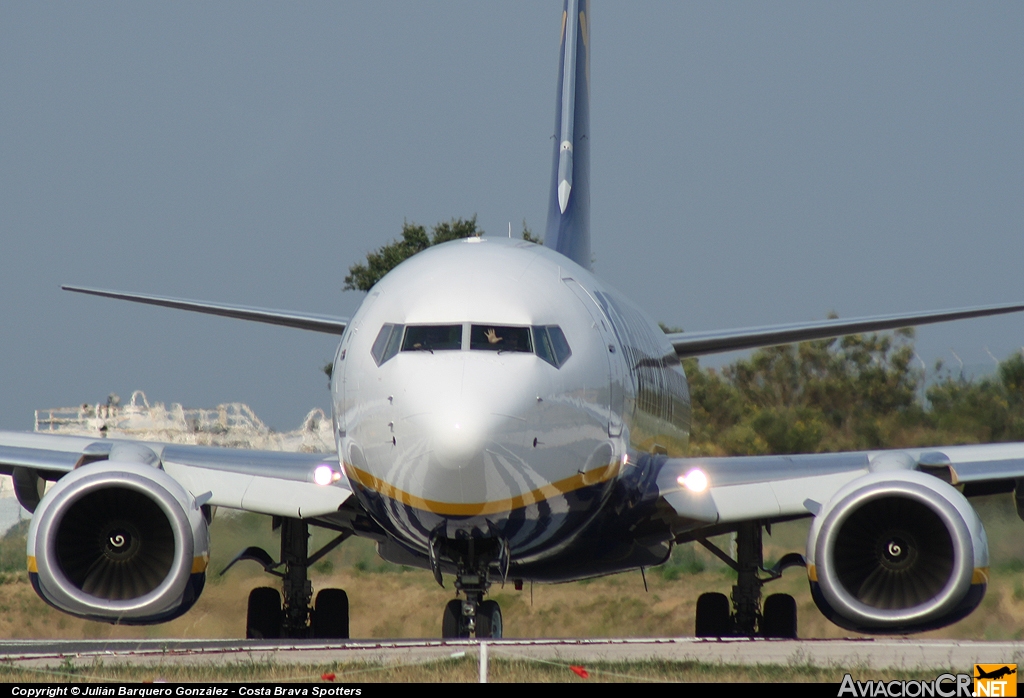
323	475
695	481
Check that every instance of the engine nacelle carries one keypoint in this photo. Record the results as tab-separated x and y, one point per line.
897	552
120	542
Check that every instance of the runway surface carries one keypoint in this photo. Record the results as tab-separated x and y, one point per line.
853	654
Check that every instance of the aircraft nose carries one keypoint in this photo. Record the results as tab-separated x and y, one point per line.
460	434
466	428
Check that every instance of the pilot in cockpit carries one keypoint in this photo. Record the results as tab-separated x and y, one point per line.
492	336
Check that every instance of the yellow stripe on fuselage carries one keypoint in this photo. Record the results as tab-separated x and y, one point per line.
549	491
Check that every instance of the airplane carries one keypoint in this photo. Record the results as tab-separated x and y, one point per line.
995	673
501	414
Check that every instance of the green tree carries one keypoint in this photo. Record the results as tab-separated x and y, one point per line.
851	392
362	277
847	393
989	409
529	236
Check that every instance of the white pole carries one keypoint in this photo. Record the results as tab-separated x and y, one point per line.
483	662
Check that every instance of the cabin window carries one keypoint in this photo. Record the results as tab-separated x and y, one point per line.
500	338
387	342
432	338
551	345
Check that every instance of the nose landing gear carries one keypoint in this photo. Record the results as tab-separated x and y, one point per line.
472	616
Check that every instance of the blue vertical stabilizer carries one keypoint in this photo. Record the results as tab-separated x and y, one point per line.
568	229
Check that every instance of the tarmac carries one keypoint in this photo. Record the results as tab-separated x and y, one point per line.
958	656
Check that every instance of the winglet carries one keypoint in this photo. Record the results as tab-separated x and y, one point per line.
568	228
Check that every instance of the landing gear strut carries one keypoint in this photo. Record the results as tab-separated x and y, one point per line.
298	590
777	618
267	618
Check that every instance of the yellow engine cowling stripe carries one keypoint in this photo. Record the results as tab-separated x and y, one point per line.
199	564
980	575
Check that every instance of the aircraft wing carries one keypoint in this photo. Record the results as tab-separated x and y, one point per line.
716	341
328	324
709	491
264	482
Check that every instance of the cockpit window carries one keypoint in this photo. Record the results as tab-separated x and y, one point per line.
500	338
387	342
551	345
548	342
432	338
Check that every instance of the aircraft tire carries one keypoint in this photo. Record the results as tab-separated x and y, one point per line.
713	616
779	617
488	621
330	615
452	624
263	616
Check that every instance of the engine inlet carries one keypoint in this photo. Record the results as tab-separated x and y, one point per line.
116	544
894	553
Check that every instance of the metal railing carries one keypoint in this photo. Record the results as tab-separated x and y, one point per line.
232	424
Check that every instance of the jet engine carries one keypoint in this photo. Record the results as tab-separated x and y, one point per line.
897	552
119	541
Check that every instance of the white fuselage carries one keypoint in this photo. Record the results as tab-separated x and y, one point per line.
458	438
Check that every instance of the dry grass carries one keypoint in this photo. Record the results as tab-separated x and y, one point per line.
392	602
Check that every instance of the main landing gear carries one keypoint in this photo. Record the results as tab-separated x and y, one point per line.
297	617
747	617
471	616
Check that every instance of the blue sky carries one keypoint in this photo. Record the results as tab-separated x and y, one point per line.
751	164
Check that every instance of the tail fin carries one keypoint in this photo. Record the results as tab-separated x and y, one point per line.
568	229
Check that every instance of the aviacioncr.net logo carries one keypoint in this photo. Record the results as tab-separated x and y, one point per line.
943	686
